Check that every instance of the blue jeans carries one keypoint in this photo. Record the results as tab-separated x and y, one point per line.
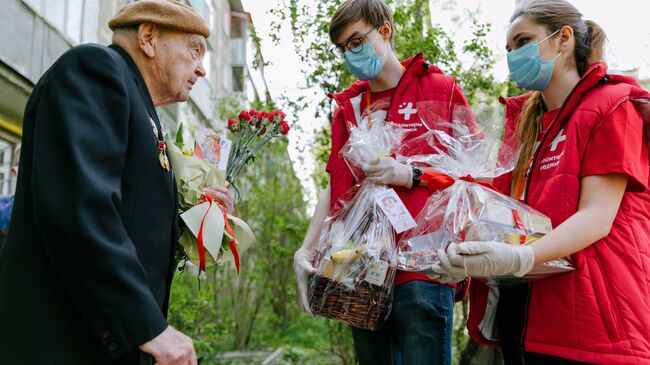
417	332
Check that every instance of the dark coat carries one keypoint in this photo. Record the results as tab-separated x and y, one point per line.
86	267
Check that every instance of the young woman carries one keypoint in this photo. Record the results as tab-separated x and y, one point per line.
584	163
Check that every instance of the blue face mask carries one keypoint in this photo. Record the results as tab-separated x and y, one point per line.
363	62
528	69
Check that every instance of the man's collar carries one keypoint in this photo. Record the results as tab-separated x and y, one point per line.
137	77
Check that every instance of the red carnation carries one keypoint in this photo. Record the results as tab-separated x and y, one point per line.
254	113
233	125
279	114
285	127
244	115
267	115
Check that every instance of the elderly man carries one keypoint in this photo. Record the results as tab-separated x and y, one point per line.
86	268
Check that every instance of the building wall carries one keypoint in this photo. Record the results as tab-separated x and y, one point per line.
33	34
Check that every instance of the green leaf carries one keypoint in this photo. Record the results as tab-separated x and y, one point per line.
179	136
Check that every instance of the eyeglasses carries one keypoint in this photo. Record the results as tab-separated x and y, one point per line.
353	45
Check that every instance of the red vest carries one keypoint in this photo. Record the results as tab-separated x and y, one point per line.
600	313
423	89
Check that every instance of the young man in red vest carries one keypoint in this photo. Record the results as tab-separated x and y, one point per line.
419	329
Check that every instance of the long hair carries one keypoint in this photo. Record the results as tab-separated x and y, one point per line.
589	49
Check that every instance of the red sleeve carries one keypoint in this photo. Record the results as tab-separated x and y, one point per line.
617	146
341	179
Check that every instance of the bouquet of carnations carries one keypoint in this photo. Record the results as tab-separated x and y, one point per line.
251	131
355	257
210	234
465	209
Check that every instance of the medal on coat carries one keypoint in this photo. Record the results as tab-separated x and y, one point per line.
162	155
162	147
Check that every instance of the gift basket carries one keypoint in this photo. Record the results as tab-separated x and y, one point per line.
356	252
465	209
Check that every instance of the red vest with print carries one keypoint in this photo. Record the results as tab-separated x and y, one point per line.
600	313
423	89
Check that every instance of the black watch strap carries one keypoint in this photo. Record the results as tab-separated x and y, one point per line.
416	177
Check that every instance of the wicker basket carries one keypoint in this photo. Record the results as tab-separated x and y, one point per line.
366	306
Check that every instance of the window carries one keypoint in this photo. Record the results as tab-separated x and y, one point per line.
238	78
225	23
7	180
236	28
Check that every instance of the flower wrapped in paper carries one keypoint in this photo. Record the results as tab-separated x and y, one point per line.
465	209
356	252
210	235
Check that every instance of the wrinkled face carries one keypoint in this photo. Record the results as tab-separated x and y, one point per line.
361	32
178	60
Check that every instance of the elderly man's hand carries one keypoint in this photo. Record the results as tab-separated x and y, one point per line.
171	347
222	196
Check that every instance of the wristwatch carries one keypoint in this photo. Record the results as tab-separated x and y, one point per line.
416	177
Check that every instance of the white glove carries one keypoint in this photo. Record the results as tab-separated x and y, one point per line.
486	259
304	269
388	171
445	271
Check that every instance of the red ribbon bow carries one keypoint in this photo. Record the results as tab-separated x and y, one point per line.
201	247
441	181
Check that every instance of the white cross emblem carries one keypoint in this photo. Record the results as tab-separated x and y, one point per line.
560	138
407	110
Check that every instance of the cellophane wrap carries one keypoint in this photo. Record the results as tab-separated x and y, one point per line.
356	252
467	210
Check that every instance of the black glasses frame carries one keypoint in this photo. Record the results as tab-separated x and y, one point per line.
340	48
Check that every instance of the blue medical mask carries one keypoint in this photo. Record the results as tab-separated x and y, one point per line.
364	64
528	69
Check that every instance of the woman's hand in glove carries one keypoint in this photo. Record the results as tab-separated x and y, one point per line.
485	259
